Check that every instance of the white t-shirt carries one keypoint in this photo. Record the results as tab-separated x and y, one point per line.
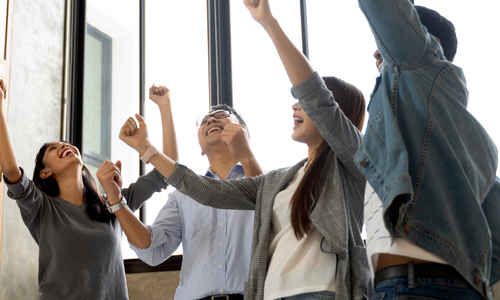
378	238
295	266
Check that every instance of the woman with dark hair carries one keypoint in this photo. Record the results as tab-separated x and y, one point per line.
308	217
79	237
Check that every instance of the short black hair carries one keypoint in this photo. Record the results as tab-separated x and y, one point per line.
232	110
441	28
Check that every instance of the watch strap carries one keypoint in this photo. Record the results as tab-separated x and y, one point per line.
115	207
148	154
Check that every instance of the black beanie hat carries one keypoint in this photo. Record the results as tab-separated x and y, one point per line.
441	28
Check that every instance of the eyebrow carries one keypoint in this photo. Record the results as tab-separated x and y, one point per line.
50	145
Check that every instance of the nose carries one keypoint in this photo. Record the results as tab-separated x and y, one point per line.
210	120
296	106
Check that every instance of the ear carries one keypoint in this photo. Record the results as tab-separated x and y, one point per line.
44	174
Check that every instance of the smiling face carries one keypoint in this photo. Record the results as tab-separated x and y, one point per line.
210	132
58	157
304	130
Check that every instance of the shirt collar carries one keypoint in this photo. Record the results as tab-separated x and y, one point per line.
236	172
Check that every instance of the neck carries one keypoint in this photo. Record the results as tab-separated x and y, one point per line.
221	163
71	188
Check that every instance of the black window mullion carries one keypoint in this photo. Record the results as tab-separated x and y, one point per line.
142	85
219	51
303	23
79	22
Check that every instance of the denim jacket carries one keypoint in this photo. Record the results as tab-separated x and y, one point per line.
429	160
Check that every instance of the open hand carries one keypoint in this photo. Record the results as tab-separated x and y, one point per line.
110	177
135	136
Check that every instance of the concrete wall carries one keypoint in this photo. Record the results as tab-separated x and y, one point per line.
34	118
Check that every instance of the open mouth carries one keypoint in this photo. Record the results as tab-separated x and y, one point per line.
297	121
213	129
67	152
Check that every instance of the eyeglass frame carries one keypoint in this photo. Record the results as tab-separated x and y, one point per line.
212	115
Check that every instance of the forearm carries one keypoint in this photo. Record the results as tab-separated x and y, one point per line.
251	166
168	129
296	64
136	232
164	164
8	162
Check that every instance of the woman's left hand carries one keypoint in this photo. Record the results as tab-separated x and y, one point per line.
110	177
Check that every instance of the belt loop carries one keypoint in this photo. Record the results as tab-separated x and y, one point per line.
411	275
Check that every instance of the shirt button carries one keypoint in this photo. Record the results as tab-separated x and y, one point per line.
221	224
221	290
407	227
220	266
220	244
363	163
478	280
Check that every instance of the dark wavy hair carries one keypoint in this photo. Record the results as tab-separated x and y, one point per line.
240	119
352	103
95	203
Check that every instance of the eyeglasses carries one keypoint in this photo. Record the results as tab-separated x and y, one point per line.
219	114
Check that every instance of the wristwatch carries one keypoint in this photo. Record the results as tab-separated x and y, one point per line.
115	207
148	154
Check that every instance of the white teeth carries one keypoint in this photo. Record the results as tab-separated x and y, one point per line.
213	129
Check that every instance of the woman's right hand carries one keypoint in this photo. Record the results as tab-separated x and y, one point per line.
135	137
260	10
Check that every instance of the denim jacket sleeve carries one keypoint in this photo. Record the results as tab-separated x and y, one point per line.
491	207
395	23
341	135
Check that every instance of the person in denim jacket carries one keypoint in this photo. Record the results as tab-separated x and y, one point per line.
427	158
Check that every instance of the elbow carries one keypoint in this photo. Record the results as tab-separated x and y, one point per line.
12	173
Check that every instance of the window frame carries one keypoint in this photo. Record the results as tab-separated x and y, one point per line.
220	86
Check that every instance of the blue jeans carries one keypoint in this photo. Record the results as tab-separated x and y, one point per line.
426	289
323	295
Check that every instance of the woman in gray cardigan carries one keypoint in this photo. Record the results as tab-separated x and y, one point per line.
308	217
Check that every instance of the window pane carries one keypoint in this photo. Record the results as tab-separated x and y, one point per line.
341	43
177	57
111	86
261	89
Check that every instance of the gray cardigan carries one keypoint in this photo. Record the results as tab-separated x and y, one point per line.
337	213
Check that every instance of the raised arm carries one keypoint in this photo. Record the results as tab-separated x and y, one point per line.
296	65
109	175
314	98
229	194
161	96
8	162
401	38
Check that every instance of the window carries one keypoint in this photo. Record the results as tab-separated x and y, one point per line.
209	51
111	87
97	99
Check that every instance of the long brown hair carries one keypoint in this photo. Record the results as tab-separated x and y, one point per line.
352	103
